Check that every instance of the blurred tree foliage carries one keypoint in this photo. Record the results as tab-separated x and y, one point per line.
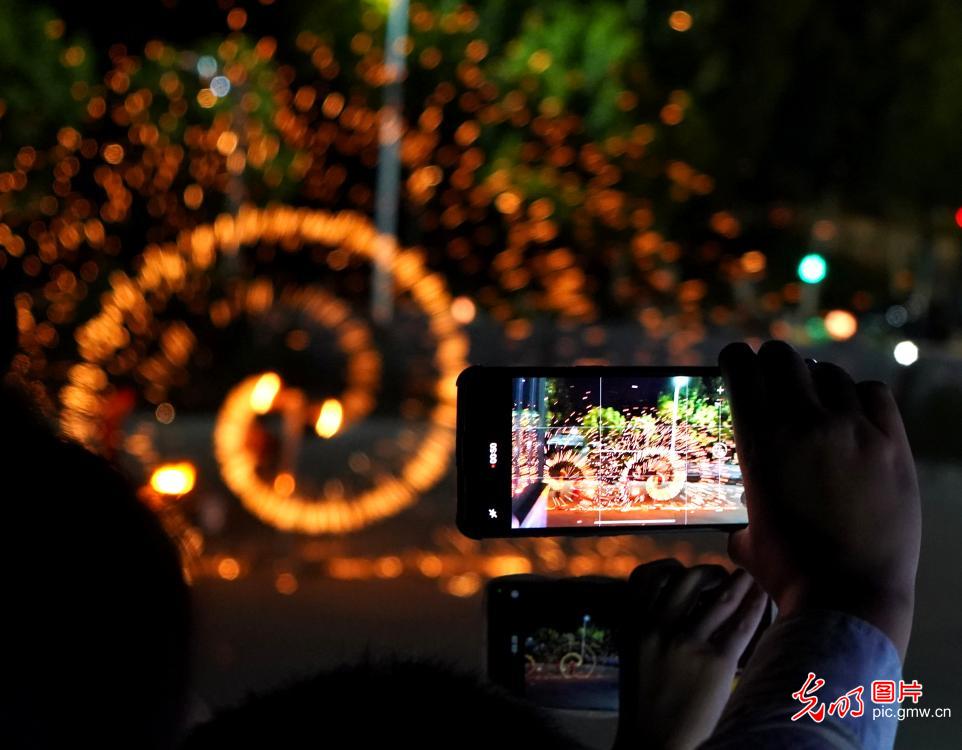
852	106
604	418
799	100
572	56
44	71
699	407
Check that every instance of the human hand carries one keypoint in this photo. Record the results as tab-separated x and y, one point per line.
830	485
687	629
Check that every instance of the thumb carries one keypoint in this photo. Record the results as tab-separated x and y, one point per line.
739	548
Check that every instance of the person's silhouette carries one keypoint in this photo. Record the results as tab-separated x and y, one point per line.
96	612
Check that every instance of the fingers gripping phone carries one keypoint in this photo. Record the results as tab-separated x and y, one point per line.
595	450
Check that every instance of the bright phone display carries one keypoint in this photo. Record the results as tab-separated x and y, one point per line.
595	450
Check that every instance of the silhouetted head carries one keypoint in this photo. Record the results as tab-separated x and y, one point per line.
389	704
8	328
95	647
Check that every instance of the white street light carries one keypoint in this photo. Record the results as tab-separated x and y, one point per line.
906	353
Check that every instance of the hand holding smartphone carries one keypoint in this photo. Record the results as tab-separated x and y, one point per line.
595	450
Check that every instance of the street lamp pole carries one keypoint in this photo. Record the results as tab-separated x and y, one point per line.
389	162
678	381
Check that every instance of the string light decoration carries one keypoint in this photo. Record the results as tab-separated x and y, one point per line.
461	566
165	272
176	151
353	338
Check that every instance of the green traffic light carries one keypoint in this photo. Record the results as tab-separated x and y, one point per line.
812	268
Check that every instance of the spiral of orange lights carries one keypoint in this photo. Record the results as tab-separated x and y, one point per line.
658	487
165	271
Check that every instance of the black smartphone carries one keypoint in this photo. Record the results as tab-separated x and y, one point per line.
554	642
595	450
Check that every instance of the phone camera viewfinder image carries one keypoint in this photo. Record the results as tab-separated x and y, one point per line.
623	451
572	663
555	642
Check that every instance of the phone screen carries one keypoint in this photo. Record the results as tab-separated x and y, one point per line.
623	451
572	663
554	642
596	450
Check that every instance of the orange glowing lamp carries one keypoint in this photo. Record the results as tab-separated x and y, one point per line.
174	480
264	392
329	419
